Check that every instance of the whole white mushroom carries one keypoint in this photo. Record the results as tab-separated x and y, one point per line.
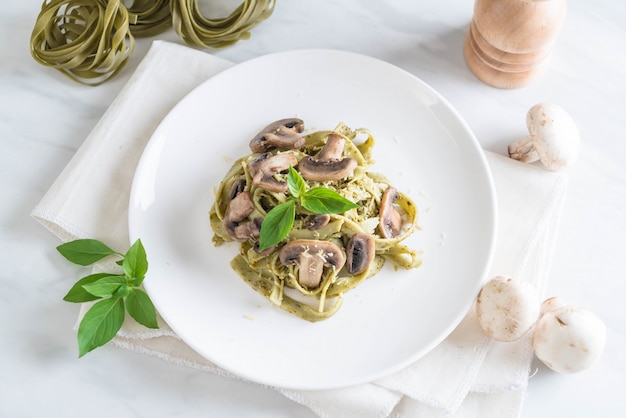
568	339
553	138
507	308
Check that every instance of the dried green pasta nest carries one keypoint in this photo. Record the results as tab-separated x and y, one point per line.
91	40
87	40
201	31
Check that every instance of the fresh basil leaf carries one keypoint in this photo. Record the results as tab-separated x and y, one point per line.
135	262
135	282
105	318
85	251
105	286
297	186
277	224
321	200
78	294
140	307
100	324
123	291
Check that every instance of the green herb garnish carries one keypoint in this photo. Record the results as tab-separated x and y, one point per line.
319	200
118	292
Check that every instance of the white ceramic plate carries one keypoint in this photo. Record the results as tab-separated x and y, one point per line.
424	148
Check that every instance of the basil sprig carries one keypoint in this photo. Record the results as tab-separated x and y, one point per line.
319	200
116	293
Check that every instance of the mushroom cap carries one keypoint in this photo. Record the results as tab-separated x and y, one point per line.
316	222
507	308
263	168
333	255
311	256
390	220
281	134
247	230
237	187
360	252
239	208
554	135
317	170
569	339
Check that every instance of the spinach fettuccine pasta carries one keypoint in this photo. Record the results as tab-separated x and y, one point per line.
90	41
311	221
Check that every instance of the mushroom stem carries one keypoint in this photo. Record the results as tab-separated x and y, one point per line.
281	134
333	148
523	150
311	256
311	267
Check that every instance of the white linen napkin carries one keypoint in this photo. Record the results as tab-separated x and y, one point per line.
467	375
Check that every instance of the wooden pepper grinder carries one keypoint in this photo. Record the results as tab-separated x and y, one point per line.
509	41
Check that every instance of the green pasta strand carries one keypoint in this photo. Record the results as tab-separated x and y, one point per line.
149	17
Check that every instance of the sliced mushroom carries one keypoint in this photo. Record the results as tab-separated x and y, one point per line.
237	187
312	256
328	165
360	252
390	220
239	207
266	251
317	222
282	134
265	166
248	230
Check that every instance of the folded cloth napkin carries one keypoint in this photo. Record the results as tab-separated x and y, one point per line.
467	375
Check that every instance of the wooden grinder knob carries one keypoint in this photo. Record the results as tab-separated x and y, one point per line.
509	41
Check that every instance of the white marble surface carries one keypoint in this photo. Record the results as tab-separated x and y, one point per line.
44	117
